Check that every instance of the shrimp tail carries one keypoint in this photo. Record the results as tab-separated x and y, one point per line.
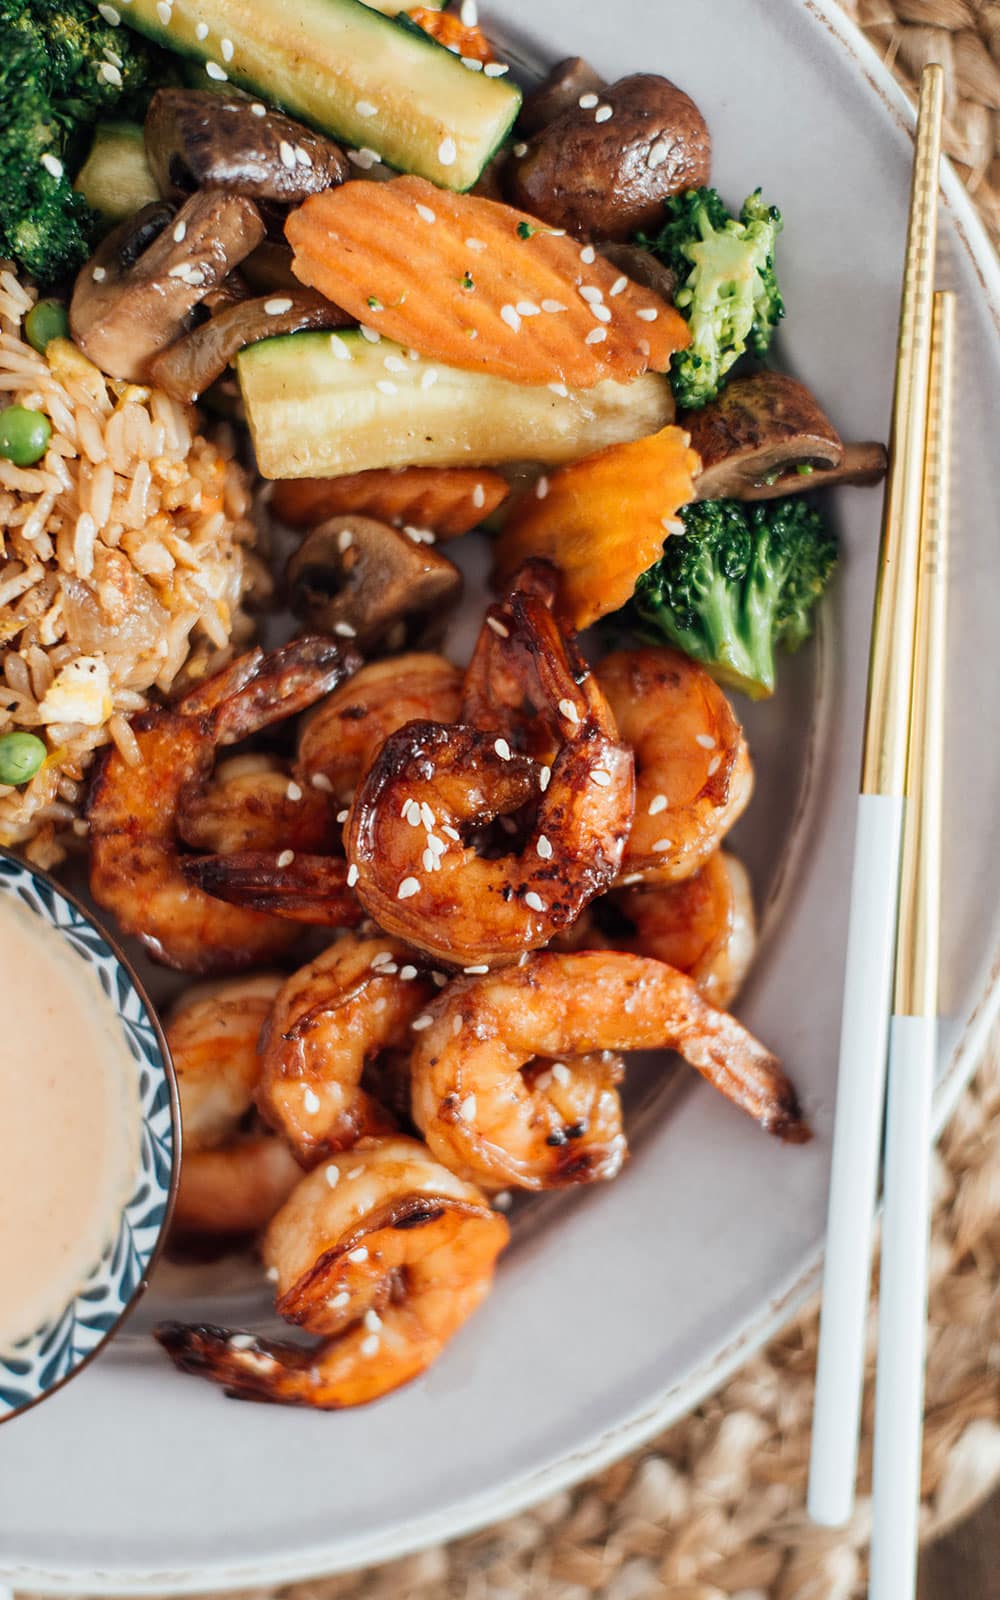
251	694
245	1366
729	1057
311	888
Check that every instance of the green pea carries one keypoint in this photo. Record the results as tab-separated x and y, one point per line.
46	320
21	755
24	435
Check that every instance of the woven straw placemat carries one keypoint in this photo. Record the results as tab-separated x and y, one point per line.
713	1509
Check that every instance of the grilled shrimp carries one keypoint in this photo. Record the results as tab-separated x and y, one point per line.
383	1258
232	1180
341	735
693	772
410	835
255	803
480	1114
329	1019
704	925
135	866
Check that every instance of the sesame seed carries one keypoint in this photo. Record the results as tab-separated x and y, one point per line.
320	781
345	630
588	255
386	386
430	861
302	156
381	957
241	1341
601	313
342	816
272	1274
520	150
429	378
420	1023
472	64
601	777
52	165
407	889
467	1109
542	487
439	979
370	1346
115	60
276	308
360	1254
163	11
596	335
478	968
559	389
663	844
475	244
603	114
339	348
293	791
371	334
345	539
365	158
544	778
364	108
437	845
99	274
411	812
286	153
286	857
201	31
447	151
656	805
503	1201
226	49
110	15
587	102
647	313
426	213
215	71
427	816
339	1301
524	958
498	627
456	1025
332	1175
509	315
553	306
495	69
502	749
561	1072
658	154
527	308
352	875
544	847
452	833
180	230
372	1320
569	711
407	973
618	285
258	110
534	900
310	1100
591	293
705	740
355	1172
672	524
714	765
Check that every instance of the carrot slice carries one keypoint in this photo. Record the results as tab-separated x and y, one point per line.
449	500
479	285
602	521
449	30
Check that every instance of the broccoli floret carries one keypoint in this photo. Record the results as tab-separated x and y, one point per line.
737	583
62	69
727	288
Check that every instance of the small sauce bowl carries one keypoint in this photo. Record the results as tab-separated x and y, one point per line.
39	1363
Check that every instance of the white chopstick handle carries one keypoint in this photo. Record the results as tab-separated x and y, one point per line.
854	1172
899	1398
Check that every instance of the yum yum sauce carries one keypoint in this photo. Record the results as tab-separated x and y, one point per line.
69	1122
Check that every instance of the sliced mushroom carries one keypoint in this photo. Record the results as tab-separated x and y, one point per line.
363	580
641	267
269	269
139	290
761	425
186	369
568	80
196	139
863	463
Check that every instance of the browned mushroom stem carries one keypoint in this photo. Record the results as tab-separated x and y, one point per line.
137	293
201	140
186	369
863	463
366	581
761	425
641	267
567	81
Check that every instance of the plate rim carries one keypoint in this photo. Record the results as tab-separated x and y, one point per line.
633	1430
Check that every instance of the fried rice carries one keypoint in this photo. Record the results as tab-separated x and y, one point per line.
124	560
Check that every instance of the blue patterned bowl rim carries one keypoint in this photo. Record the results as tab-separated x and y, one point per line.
43	1361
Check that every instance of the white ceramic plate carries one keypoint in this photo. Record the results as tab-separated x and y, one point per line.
617	1310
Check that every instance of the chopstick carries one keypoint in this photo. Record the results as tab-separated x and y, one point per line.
875	880
913	1030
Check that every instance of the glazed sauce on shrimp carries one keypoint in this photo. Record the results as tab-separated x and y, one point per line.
69	1122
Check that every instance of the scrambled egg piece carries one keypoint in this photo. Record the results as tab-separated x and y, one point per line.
80	692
